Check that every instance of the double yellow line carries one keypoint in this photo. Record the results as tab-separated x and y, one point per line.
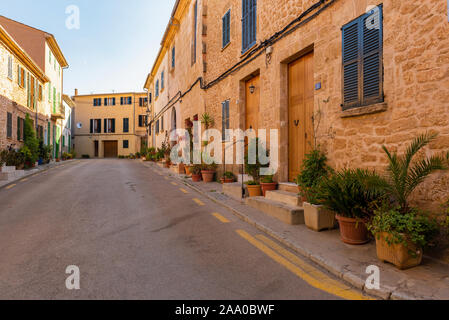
300	268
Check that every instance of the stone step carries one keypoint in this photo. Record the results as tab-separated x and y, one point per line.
286	197
8	169
19	173
7	176
233	190
289	187
292	215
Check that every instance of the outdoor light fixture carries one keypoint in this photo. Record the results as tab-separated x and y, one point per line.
252	88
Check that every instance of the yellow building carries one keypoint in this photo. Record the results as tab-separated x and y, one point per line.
109	125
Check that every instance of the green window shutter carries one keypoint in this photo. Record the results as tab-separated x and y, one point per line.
18	128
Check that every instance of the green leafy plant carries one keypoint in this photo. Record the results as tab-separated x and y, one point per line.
405	174
251	183
314	169
352	193
30	141
228	175
207	120
267	179
196	169
253	169
402	228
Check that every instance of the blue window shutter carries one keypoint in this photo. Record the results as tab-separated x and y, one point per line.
121	101
130	100
351	46
113	101
105	101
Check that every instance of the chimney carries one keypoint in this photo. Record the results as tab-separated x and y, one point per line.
76	92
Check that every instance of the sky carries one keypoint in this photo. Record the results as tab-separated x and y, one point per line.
113	49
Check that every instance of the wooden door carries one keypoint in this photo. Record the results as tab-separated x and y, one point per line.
300	112
252	103
96	149
110	149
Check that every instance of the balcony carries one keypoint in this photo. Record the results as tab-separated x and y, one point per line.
58	113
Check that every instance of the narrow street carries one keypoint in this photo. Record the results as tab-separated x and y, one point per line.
135	234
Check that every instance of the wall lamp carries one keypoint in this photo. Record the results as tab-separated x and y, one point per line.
252	88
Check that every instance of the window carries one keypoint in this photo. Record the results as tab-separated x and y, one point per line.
195	30
9	125
173	58
10	67
95	125
97	102
109	101
109	125
151	97
54	100
125	144
249	24
40	93
157	88
21	77
363	60
225	120
142	120
143	102
162	124
162	81
20	128
125	125
226	37
130	100
157	127
48	133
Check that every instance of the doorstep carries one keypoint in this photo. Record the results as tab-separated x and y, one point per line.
349	263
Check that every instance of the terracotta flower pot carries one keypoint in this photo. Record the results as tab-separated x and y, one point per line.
187	168
196	177
227	180
318	218
268	187
254	191
208	175
398	254
353	231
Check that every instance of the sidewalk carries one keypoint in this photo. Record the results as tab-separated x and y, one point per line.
33	171
428	281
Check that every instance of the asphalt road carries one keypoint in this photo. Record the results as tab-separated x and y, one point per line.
134	234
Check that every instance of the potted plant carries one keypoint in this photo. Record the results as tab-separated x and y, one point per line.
196	173
208	172
402	232
352	195
267	184
228	177
254	188
314	169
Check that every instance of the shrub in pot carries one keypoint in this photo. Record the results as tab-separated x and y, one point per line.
314	169
352	195
254	189
401	237
188	170
267	184
196	173
228	177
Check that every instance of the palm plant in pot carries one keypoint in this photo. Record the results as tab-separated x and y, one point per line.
352	194
400	230
314	170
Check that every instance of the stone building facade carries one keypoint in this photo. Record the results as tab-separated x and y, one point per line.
46	54
17	99
318	72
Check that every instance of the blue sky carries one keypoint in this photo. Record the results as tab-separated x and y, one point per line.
115	47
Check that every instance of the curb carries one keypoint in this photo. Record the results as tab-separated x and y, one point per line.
348	277
32	175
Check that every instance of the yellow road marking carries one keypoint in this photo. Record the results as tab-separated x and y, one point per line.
184	190
220	217
199	202
11	186
314	277
23	180
174	183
